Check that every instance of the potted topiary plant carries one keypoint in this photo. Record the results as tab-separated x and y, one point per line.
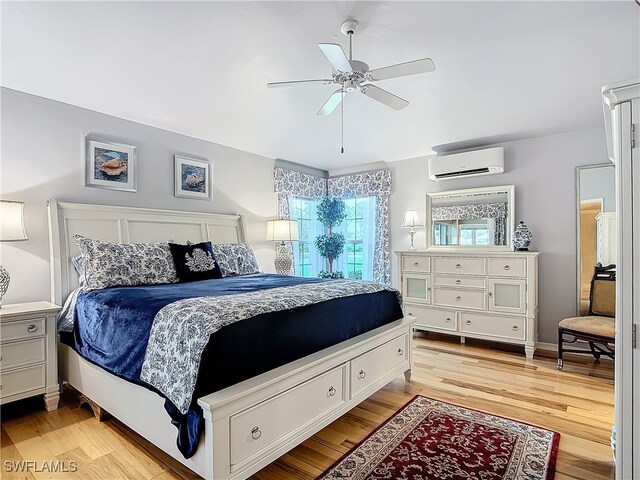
331	212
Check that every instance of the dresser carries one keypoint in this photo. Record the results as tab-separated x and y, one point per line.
490	296
28	360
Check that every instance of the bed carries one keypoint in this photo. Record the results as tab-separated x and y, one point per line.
247	424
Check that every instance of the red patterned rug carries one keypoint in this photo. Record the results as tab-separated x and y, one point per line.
431	440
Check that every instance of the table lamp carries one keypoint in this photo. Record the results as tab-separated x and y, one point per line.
282	231
411	221
11	230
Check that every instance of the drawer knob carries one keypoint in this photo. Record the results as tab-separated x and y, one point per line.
332	391
458	265
491	294
362	374
458	298
468	322
507	267
515	328
458	282
448	320
256	433
428	289
32	328
410	314
400	352
415	264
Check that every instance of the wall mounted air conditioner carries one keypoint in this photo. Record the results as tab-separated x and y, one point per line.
489	161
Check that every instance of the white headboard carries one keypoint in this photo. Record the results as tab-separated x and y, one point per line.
126	225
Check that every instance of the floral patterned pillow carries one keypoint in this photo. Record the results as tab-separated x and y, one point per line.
194	261
108	264
235	259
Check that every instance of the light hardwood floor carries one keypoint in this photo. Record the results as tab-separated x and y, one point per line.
577	402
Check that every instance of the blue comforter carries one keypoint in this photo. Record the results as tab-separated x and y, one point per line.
112	327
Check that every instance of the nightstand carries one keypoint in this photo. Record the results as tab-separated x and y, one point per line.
28	355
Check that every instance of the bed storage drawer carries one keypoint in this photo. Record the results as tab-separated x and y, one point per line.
375	363
22	380
17	354
258	427
33	327
432	317
502	327
465	265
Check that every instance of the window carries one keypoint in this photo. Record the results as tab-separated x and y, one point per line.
470	232
306	259
356	261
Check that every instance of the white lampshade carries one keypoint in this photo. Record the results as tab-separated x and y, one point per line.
12	221
282	230
411	220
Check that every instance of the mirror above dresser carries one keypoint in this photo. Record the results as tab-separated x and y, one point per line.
476	218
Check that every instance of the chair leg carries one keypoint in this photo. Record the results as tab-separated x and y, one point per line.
594	351
560	339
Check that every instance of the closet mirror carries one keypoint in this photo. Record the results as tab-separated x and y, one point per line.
472	218
596	229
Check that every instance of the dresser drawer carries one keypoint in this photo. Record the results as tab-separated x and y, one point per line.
260	426
508	267
416	263
466	265
432	317
452	297
503	327
34	327
369	367
460	281
17	354
22	380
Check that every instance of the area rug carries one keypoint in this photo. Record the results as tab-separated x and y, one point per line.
432	440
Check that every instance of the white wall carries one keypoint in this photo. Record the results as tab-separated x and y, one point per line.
42	157
543	171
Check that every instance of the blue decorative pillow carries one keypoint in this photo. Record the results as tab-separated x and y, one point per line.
235	259
195	261
108	264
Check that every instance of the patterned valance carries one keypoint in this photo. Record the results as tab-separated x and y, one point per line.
465	212
367	184
289	182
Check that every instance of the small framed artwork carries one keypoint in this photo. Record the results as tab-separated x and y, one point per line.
111	165
192	177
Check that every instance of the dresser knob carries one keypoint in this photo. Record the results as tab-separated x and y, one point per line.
0	358
515	328
400	352
458	265
491	294
507	267
362	374
415	264
468	322
448	320
32	328
256	433
458	298
458	282
428	289
410	314
332	391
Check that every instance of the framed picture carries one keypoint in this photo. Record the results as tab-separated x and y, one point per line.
192	177
111	165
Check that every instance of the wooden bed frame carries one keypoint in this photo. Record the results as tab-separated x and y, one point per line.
247	425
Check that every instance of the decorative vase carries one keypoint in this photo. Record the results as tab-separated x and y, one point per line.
522	238
4	282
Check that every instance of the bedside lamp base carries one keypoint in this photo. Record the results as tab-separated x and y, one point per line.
282	262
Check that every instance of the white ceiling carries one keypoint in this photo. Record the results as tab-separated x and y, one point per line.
502	68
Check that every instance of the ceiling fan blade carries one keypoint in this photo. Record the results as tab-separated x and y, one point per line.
423	65
331	104
325	81
336	56
389	99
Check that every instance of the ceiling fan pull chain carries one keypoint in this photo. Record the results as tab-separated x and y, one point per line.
342	123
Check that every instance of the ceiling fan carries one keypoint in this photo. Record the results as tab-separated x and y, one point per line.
352	75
